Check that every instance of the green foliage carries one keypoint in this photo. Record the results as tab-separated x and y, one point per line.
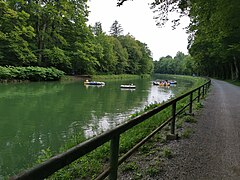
57	58
216	37
30	73
199	105
152	171
121	56
186	133
167	152
87	166
45	155
131	166
14	36
137	175
108	60
151	106
179	123
180	64
139	56
189	119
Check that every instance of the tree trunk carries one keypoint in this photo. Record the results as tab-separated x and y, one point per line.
42	41
232	73
236	68
38	40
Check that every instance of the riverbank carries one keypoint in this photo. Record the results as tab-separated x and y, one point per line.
104	77
120	76
13	78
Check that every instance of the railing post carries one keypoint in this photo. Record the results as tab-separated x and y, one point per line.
173	117
190	103
198	99
208	84
203	91
114	157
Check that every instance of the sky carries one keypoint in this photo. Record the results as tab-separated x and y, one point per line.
136	18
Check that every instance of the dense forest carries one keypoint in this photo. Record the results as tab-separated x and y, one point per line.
52	33
214	41
214	36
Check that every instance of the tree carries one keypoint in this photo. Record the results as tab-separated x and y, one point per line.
146	62
121	55
14	36
81	47
179	58
216	29
134	53
180	64
107	63
116	29
97	29
52	20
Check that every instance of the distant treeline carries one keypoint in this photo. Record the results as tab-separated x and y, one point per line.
180	64
55	34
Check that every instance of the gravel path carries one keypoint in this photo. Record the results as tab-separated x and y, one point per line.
211	152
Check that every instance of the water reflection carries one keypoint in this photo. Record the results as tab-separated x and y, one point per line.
159	94
93	86
127	89
155	94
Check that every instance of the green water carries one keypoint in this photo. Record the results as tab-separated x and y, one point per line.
35	116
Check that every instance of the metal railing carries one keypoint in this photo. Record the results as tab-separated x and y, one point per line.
59	161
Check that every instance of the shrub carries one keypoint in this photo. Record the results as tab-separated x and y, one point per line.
30	73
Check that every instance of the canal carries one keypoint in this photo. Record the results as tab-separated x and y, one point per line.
41	115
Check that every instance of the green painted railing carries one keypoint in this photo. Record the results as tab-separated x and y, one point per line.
59	161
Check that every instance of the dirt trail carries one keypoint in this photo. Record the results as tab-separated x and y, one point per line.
213	150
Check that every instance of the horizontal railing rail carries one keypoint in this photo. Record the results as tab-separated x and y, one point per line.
59	161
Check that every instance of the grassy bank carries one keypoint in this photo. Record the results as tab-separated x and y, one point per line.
119	76
103	77
89	166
